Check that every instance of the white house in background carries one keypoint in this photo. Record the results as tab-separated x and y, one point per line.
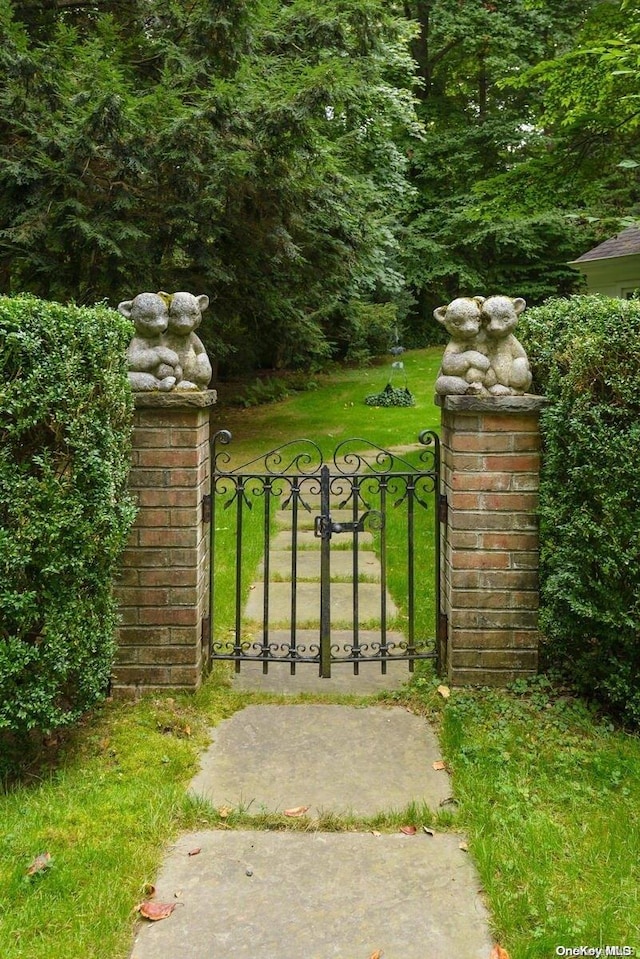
613	267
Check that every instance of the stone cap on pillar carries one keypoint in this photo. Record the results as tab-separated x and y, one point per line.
529	403
198	399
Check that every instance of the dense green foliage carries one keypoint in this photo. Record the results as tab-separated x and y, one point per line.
322	169
585	353
483	220
65	437
242	147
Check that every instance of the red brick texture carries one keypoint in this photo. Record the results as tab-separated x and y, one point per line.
490	475
163	588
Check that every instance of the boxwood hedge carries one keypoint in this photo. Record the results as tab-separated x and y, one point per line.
65	437
585	354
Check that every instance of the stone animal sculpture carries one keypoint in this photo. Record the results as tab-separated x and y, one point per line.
185	316
165	354
509	373
483	357
152	364
465	362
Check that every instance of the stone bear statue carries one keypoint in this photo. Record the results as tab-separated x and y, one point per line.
185	316
465	363
152	364
509	373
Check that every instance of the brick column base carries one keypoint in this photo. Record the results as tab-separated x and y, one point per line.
163	589
490	476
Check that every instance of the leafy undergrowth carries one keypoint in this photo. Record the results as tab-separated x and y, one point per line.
548	795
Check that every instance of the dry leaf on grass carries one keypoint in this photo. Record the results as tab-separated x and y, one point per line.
296	811
444	691
499	953
223	812
439	764
156	910
39	864
408	830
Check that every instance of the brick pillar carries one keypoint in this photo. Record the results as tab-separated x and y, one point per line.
490	476
163	589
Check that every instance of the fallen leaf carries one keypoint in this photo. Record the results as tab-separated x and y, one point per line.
444	691
223	812
439	764
296	811
374	832
408	830
156	910
376	955
428	831
178	894
149	890
499	953
187	730
39	864
464	847
195	852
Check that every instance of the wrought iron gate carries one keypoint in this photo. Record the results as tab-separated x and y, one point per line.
348	554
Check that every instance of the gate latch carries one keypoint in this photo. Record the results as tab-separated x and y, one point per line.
324	527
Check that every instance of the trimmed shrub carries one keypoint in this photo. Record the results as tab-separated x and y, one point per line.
65	453
585	355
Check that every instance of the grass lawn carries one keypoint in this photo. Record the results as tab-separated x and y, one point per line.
335	411
548	792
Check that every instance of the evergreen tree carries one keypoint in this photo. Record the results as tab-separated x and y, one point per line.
240	147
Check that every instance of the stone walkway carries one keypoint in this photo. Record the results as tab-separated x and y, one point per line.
279	680
255	894
250	894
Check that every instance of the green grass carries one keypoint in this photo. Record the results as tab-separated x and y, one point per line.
547	792
335	411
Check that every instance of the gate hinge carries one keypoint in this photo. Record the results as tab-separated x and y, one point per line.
443	507
206	508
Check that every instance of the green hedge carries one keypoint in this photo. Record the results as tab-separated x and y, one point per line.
65	441
585	354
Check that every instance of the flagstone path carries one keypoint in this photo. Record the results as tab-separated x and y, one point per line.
312	894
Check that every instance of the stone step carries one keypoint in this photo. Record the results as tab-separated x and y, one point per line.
308	604
284	518
308	565
307	540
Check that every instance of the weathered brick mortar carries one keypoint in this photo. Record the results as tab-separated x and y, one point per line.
163	589
490	475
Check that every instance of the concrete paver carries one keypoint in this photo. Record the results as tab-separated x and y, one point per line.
308	600
370	678
308	564
338	759
264	895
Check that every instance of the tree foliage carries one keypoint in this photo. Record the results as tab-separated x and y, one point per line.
474	228
312	162
247	148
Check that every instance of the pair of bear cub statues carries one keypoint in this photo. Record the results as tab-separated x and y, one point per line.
165	354
483	358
